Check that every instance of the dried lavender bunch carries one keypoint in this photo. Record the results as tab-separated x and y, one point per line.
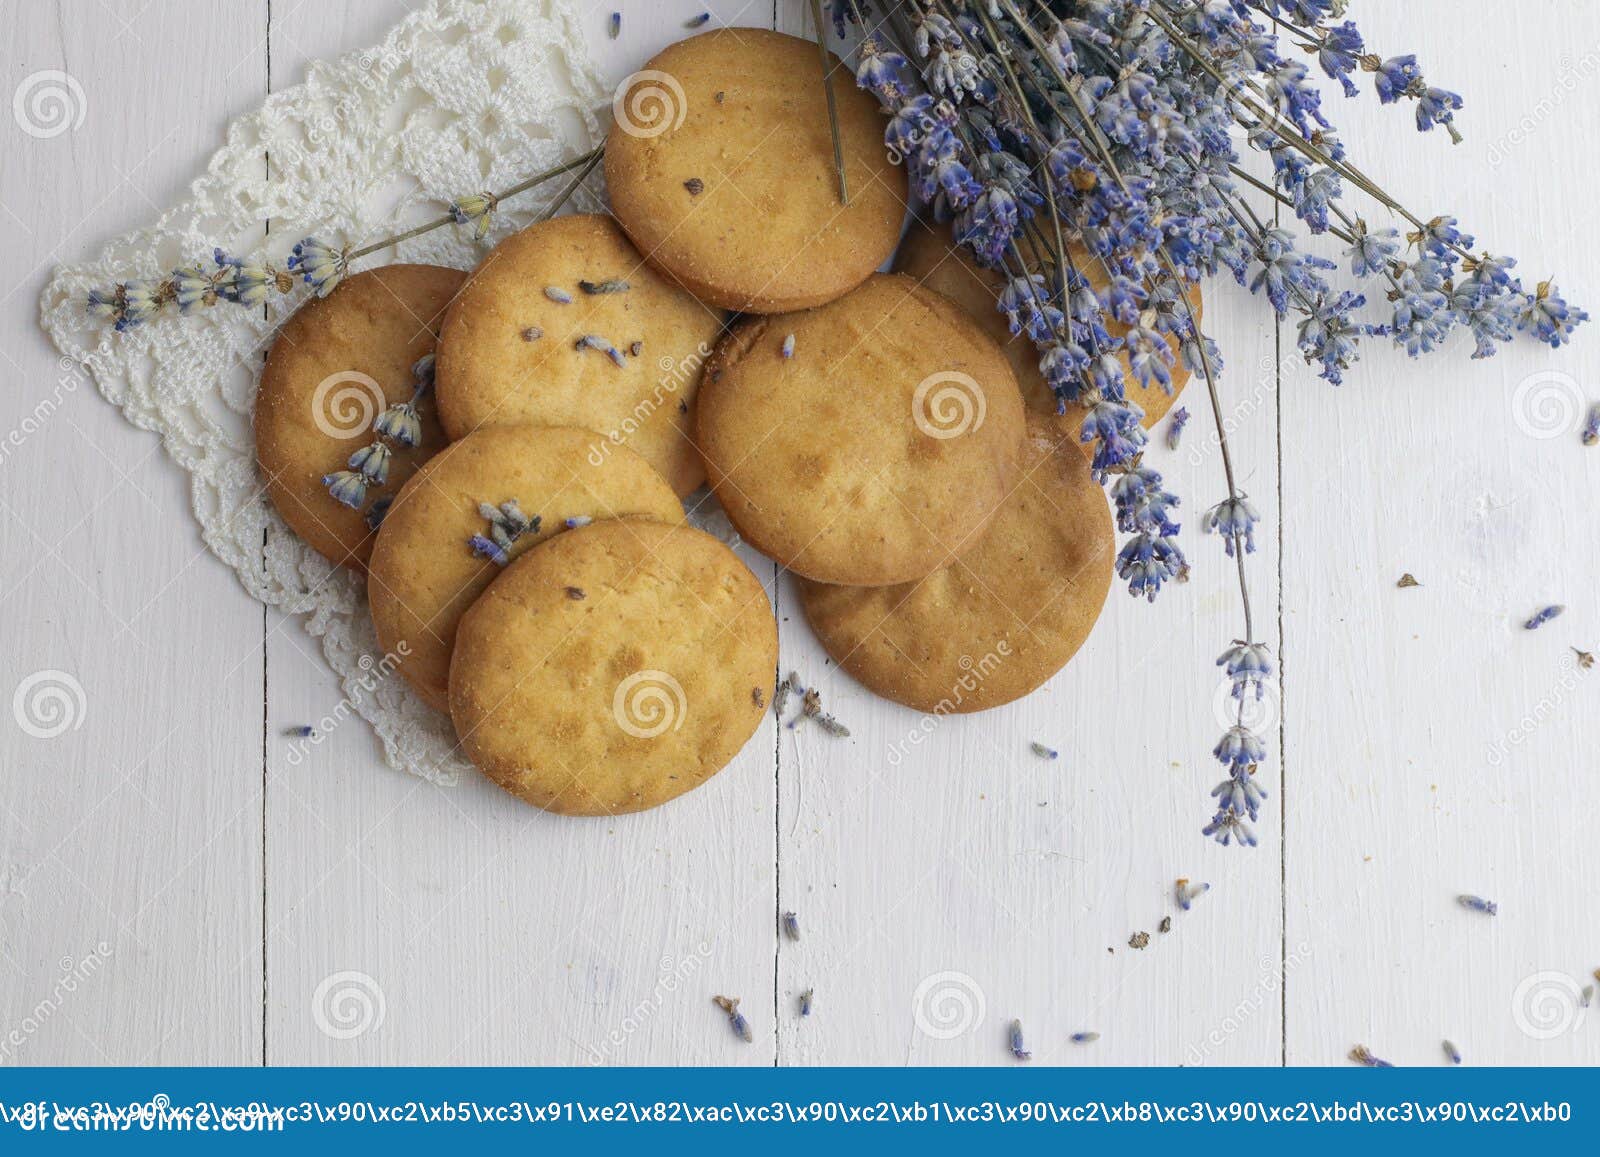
1029	123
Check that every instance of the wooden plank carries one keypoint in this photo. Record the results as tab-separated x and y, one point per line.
949	880
486	932
1436	746
130	842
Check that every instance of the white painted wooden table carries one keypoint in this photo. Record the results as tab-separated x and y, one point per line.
172	891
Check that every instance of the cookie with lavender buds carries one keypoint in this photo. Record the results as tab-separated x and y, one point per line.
876	452
430	564
1002	619
625	698
345	412
563	324
720	166
928	255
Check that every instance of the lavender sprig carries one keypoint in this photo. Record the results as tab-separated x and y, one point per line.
321	264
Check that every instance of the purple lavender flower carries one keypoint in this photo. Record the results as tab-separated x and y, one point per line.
1247	664
348	487
1235	520
1240	747
321	265
1543	616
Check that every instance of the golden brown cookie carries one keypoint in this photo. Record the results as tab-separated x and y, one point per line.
720	166
424	571
337	364
878	448
563	324
1001	619
928	255
613	668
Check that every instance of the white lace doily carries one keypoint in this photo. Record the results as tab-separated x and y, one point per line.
463	96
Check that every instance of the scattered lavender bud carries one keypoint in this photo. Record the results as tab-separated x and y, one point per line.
558	295
576	594
616	24
1544	617
757	697
787	348
636	348
1585	660
695	186
578	520
610	285
1478	904
736	1020
593	341
780	697
697	21
1407	580
791	926
1165	925
304	731
1188	893
1452	1052
1586	997
376	512
532	333
1175	425
1043	752
805	1002
1591	426
1139	940
1017	1048
1362	1055
1084	1038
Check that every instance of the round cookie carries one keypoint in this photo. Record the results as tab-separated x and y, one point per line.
878	449
613	668
424	573
335	365
720	166
1004	617
526	342
928	255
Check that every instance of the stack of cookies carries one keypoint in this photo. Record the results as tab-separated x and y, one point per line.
505	454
